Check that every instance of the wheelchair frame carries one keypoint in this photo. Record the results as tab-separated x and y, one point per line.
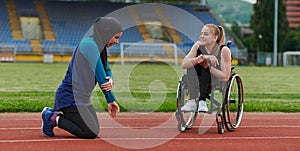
229	111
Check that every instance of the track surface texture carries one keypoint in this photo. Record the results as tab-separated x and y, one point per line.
156	131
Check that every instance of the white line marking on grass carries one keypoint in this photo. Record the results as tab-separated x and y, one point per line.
25	90
141	91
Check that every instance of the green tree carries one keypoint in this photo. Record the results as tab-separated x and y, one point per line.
236	29
262	23
291	43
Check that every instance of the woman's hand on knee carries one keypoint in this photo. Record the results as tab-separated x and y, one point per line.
212	60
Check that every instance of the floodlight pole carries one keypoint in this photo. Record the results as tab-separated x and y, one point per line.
275	32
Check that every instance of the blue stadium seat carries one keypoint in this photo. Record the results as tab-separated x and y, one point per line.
5	29
26	8
70	21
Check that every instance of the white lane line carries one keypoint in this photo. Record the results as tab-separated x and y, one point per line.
163	127
166	117
152	138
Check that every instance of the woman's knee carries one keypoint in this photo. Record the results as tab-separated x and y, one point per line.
89	134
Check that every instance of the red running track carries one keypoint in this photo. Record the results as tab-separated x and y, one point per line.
156	131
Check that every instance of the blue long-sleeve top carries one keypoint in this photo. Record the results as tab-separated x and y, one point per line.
85	70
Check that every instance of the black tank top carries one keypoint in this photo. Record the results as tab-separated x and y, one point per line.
204	52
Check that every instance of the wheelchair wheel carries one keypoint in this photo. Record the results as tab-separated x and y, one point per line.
186	120
220	123
233	103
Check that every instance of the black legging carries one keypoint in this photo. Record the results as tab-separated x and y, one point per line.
198	78
80	121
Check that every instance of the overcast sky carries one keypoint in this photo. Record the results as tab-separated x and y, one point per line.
250	1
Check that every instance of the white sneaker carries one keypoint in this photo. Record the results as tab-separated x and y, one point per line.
191	105
202	106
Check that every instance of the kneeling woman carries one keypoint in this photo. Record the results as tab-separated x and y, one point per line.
73	110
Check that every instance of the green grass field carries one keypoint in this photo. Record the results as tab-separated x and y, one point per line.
28	87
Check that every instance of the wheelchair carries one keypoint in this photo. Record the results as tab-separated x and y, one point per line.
229	110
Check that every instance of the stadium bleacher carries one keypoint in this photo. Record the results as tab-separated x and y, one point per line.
5	29
70	21
6	38
26	8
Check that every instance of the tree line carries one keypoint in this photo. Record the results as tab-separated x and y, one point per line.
262	24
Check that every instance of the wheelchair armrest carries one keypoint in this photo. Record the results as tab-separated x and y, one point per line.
232	67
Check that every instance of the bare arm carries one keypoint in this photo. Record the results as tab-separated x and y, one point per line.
225	64
191	58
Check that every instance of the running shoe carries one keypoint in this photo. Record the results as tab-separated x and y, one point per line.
47	125
191	105
202	106
50	109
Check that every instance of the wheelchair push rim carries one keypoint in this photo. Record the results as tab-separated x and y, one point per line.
233	104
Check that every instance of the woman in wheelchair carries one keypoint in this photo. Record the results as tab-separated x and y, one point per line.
207	60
